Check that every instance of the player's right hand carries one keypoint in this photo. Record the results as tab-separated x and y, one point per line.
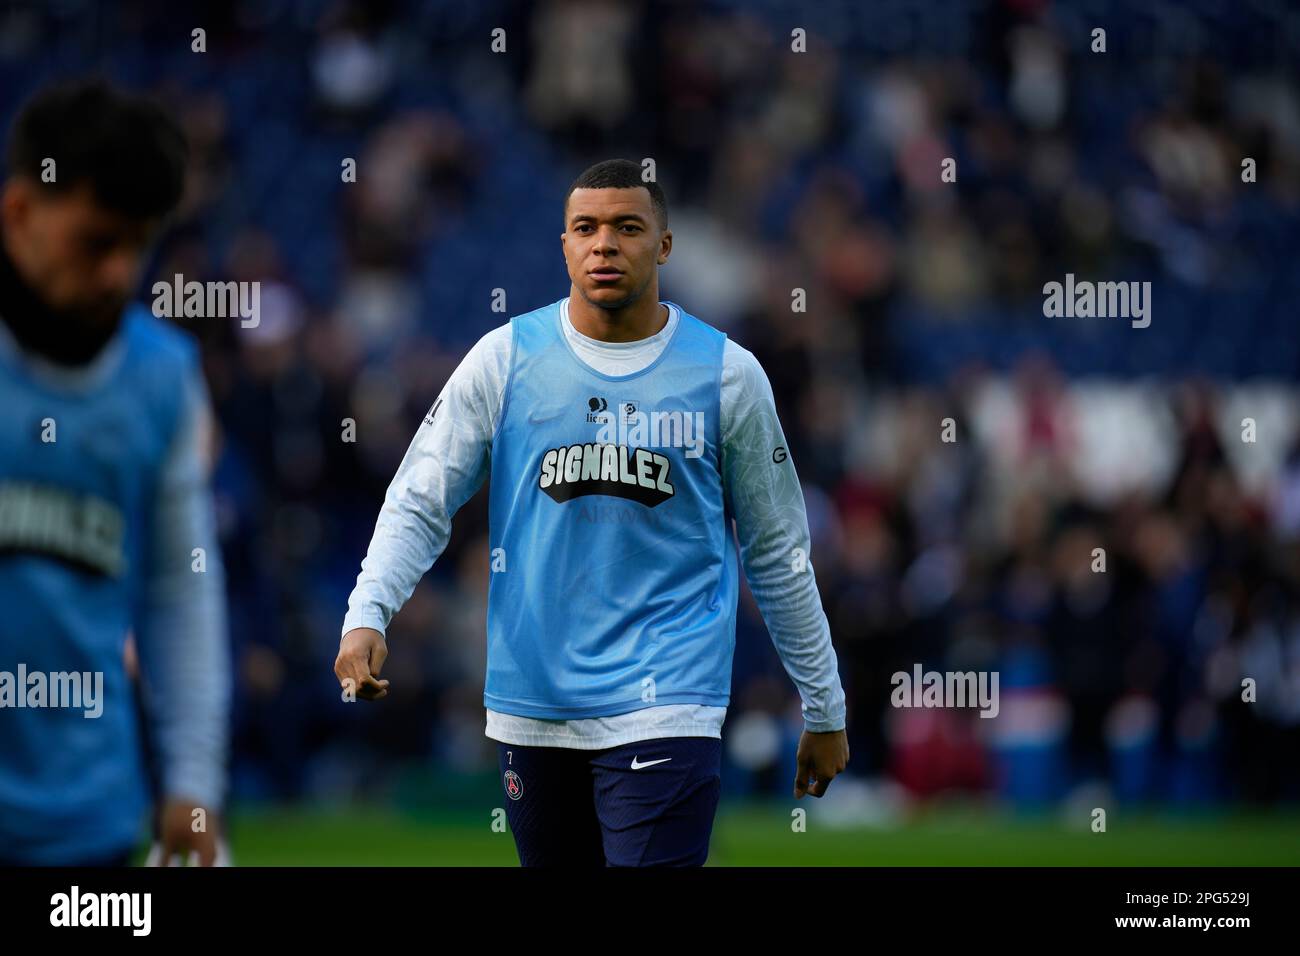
362	653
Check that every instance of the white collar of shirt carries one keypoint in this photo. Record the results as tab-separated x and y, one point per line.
618	358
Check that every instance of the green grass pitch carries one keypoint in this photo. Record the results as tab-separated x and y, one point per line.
761	835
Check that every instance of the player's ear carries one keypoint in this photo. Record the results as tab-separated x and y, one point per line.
15	201
665	246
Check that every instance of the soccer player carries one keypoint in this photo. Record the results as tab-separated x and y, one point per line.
621	435
103	499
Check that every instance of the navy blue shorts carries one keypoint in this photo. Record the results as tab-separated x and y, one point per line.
647	803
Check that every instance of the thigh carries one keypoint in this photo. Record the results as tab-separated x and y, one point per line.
656	800
549	804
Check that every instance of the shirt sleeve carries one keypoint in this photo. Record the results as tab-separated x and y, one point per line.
446	463
181	634
766	499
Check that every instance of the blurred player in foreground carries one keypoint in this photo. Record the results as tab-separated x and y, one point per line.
621	435
103	499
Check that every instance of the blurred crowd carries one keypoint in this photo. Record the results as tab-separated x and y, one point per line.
820	172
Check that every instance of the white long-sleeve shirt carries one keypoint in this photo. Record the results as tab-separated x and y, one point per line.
449	459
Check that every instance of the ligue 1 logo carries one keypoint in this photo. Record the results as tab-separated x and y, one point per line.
514	786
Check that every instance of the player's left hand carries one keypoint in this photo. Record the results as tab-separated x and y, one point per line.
183	833
820	757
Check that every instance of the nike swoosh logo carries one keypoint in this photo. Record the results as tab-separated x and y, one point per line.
534	419
648	763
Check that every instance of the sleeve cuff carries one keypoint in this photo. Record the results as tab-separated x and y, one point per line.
364	617
823	726
195	784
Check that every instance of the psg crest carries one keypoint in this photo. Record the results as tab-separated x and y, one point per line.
514	786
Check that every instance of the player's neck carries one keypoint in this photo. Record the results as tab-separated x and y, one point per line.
41	330
640	320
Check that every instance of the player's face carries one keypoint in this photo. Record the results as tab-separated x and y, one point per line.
80	258
613	245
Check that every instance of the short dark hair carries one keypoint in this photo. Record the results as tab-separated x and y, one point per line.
621	174
124	145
